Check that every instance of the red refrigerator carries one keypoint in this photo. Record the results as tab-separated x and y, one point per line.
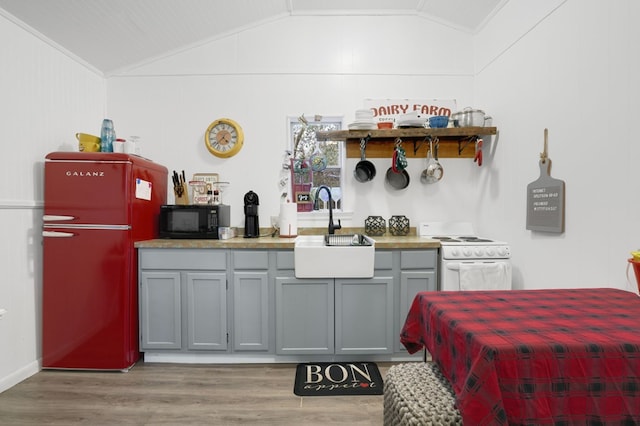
96	205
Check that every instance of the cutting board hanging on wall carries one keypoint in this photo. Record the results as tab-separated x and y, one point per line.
545	198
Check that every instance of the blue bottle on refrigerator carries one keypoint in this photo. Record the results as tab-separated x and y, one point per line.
107	136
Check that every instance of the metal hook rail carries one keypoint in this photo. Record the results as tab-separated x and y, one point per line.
434	139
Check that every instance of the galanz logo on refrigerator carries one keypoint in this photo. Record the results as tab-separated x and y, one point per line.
98	173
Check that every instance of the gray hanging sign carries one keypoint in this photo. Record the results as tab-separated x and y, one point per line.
545	199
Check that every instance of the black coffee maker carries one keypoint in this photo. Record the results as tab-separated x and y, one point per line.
251	225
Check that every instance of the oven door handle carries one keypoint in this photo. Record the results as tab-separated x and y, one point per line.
456	266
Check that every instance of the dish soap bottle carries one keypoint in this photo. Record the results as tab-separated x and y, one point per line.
107	136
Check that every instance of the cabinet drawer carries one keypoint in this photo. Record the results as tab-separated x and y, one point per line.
285	260
198	259
383	260
248	259
418	259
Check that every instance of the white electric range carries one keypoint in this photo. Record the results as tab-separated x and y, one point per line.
468	261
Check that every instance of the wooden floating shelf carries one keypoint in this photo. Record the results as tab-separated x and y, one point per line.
457	142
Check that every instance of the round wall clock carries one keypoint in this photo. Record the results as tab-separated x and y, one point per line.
224	138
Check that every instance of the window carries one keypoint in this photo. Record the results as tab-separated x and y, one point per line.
315	163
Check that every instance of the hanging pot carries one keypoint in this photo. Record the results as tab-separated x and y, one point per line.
434	171
365	170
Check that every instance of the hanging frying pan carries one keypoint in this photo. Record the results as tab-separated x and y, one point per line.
397	175
365	170
398	180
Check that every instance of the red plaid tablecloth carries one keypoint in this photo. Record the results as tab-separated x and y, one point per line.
534	357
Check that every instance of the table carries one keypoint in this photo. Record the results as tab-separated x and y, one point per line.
555	356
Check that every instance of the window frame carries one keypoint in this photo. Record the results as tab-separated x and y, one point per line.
292	122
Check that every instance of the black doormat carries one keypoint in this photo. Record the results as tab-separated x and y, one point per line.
338	378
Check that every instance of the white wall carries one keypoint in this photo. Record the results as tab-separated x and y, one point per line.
575	73
326	65
46	98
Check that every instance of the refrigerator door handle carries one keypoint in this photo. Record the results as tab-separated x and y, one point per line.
57	234
56	218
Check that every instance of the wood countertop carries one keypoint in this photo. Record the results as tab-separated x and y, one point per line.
387	241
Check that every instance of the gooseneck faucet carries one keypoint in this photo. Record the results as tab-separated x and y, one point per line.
332	227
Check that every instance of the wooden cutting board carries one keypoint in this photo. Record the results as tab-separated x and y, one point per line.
545	201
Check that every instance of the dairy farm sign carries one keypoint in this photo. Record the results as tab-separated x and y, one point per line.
390	109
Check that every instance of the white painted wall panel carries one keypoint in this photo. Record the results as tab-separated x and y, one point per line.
573	74
46	99
513	21
325	65
398	45
170	114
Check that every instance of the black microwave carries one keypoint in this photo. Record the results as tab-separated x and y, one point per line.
193	221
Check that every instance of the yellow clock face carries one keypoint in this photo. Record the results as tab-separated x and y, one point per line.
224	138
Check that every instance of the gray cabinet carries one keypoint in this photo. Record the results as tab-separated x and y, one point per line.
206	310
160	310
304	311
334	316
217	303
251	300
304	316
364	315
417	273
183	299
364	310
250	310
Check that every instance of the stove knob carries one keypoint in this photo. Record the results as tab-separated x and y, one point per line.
466	251
502	251
455	252
490	252
479	252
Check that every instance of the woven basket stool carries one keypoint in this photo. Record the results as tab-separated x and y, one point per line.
417	393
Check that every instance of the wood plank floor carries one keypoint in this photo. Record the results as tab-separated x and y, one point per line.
174	394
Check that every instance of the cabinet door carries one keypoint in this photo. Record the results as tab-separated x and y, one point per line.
206	310
251	311
411	283
304	316
364	315
160	313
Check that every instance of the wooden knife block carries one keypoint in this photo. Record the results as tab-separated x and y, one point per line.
184	197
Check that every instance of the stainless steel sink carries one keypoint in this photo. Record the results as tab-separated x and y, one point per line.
334	256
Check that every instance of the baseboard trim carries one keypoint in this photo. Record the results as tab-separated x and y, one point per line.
226	358
19	375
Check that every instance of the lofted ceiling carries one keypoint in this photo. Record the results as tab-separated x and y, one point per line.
113	35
